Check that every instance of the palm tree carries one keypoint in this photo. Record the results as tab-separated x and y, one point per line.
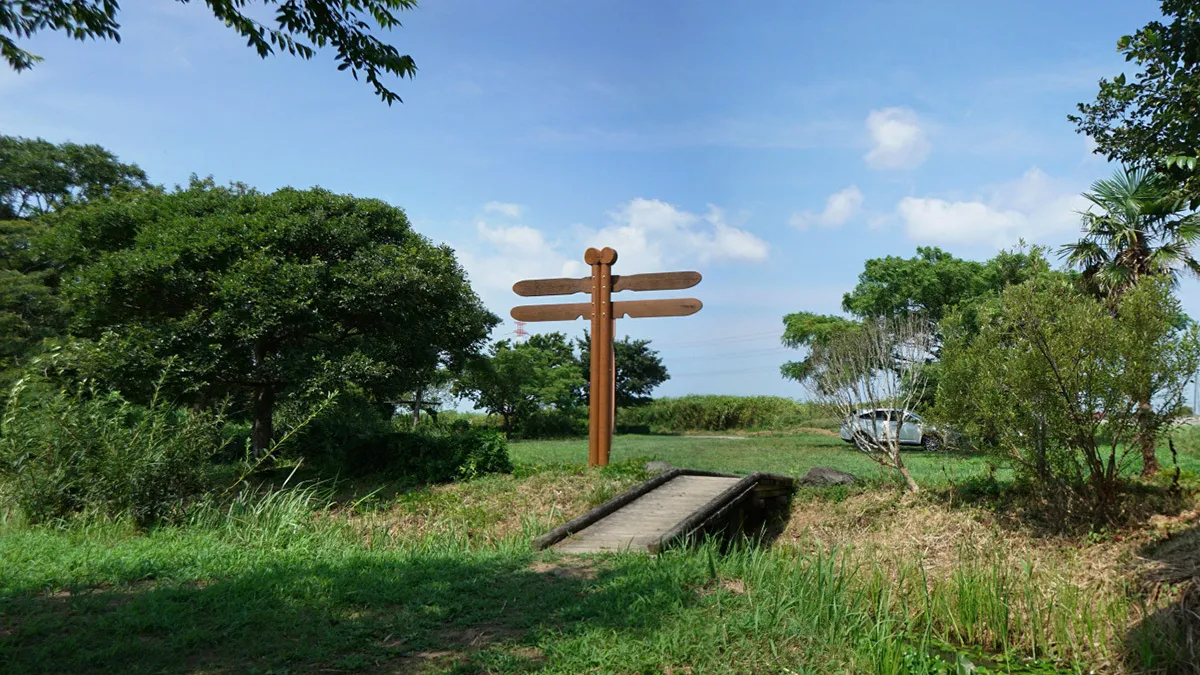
1142	228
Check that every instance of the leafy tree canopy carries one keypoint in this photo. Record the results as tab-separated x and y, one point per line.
933	282
639	370
1053	380
263	295
37	176
930	284
300	28
1145	117
518	379
1148	118
1141	228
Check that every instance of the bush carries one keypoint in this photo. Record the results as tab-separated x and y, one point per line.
434	453
66	452
352	427
720	413
552	423
545	423
1067	389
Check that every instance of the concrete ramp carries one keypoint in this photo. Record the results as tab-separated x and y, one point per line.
665	509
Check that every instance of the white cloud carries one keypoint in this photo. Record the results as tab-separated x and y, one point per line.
840	207
503	254
898	140
1035	207
504	208
649	234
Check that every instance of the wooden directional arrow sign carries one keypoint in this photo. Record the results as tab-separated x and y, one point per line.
603	311
636	309
662	281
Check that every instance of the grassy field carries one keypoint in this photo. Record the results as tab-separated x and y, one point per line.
442	579
789	454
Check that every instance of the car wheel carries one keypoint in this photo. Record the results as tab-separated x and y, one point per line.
931	443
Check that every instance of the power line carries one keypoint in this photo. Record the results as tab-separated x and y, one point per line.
739	371
721	340
778	351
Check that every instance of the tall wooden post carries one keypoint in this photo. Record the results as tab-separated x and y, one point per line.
601	390
594	408
603	312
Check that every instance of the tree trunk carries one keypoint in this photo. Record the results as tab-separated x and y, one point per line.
416	408
262	412
897	461
1146	439
909	482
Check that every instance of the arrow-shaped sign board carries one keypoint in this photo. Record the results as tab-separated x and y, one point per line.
636	309
661	281
603	311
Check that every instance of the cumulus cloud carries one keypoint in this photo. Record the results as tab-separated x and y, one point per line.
1034	207
840	207
503	254
649	233
897	139
505	209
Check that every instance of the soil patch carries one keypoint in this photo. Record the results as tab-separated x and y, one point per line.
565	569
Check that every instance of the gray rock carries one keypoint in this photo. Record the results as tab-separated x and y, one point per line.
658	467
821	475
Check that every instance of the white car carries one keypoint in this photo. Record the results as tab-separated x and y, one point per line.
885	424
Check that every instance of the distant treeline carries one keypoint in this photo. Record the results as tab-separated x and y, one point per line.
687	413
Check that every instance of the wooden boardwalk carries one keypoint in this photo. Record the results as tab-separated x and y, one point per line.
662	510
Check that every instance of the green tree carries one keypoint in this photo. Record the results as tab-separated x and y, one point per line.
930	284
516	380
1141	230
36	178
300	28
1053	380
262	296
639	370
876	364
1144	118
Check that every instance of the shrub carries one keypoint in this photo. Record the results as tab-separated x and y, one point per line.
65	452
436	454
350	428
545	423
719	413
1063	385
552	423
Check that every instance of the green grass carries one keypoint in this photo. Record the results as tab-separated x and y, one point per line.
786	454
795	454
217	596
444	580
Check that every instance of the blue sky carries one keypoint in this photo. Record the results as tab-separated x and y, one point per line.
772	146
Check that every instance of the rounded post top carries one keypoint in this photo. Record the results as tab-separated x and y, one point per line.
605	256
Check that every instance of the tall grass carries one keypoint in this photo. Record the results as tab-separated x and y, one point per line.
63	452
792	608
723	413
994	611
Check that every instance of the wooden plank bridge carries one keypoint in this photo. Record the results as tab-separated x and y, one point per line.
669	508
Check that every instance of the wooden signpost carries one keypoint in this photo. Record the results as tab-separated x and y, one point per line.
603	312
